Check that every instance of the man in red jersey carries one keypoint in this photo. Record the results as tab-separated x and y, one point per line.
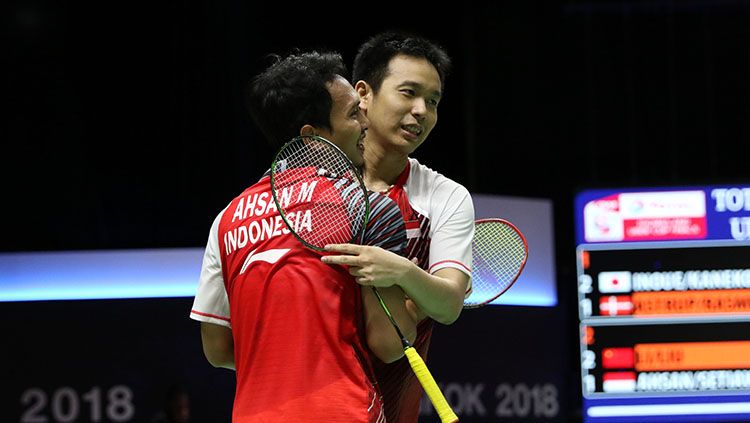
295	329
400	79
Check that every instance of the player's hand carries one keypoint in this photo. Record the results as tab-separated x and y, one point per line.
370	266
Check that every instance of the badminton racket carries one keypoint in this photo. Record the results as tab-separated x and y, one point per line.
499	252
322	199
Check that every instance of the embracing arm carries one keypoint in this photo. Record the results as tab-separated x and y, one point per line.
218	345
439	295
381	336
440	292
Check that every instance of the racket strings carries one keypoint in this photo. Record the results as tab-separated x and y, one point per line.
326	196
498	253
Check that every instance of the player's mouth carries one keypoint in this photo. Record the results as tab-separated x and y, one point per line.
412	132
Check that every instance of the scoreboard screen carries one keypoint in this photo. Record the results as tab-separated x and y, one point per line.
664	303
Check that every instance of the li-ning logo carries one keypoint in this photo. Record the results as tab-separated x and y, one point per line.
268	256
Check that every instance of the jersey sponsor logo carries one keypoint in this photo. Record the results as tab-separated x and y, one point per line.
268	256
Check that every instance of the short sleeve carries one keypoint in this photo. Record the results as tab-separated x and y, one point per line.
453	230
211	302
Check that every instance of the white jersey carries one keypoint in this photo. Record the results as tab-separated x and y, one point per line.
439	217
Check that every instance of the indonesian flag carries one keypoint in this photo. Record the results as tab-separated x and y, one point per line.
618	358
617	382
615	305
412	229
614	282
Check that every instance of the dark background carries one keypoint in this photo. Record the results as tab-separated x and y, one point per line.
125	125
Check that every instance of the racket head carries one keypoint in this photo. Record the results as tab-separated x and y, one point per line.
319	192
499	254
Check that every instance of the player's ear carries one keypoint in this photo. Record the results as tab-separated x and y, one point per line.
365	94
307	130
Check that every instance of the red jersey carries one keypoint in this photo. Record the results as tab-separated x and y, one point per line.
298	323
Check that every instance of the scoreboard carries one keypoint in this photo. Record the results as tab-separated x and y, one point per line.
664	303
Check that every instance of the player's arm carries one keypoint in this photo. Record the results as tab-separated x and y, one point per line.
211	306
439	292
381	337
218	345
439	296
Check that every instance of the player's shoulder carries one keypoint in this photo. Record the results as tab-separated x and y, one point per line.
425	180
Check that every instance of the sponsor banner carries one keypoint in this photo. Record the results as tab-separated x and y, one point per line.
663	213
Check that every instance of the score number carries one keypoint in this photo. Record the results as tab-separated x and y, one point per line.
585	286
65	405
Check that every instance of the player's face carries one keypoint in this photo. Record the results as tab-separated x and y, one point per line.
404	111
348	123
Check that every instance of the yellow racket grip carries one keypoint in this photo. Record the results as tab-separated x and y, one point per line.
430	386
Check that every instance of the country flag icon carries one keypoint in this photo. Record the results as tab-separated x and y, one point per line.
412	229
614	282
619	382
618	358
615	305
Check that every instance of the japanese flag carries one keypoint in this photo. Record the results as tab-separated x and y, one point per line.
614	282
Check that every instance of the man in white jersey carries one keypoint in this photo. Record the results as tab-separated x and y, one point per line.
400	81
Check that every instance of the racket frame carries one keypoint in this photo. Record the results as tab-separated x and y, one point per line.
316	138
520	269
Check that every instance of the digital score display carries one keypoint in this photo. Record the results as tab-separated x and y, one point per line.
664	304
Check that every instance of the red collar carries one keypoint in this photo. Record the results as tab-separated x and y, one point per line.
400	181
404	176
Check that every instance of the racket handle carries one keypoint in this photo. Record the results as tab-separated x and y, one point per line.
430	386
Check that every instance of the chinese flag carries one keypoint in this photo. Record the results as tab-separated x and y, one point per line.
618	358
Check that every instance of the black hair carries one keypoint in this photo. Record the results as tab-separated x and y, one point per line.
293	92
374	55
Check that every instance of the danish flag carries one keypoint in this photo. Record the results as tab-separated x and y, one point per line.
615	305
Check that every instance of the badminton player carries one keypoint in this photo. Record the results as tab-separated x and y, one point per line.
294	328
400	79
